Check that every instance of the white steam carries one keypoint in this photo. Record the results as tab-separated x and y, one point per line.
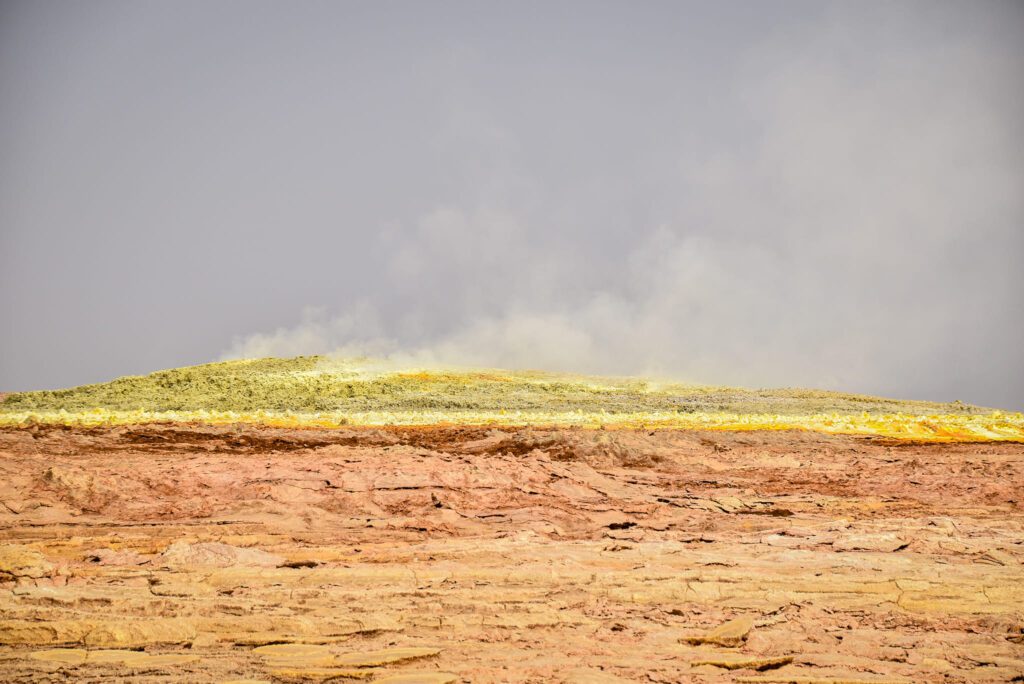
866	237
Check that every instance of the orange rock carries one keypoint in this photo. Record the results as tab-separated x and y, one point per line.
729	634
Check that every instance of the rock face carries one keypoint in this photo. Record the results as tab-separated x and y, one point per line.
184	553
732	662
886	543
729	634
20	562
216	555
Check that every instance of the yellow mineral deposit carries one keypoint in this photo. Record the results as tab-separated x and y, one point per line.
323	392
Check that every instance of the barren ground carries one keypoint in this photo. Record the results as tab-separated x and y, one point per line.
506	556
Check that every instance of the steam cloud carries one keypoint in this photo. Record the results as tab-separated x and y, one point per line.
866	236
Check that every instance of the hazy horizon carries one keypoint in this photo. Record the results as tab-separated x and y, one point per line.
796	193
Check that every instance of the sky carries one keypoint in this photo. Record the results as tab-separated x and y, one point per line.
754	193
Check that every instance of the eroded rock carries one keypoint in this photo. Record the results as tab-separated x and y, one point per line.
781	679
730	662
138	633
216	555
385	656
729	634
887	542
71	656
419	678
305	655
21	562
321	674
513	571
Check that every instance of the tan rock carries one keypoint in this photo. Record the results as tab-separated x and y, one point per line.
190	589
936	664
138	633
296	655
729	504
385	657
593	676
782	679
115	656
321	674
976	604
886	542
419	678
292	650
33	632
732	662
140	659
996	557
165	660
216	555
112	557
71	656
17	561
257	630
728	634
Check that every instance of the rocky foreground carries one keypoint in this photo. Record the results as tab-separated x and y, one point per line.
194	553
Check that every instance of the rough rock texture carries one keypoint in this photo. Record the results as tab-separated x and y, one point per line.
211	554
216	555
20	562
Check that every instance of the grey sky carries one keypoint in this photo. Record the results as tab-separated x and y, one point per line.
754	193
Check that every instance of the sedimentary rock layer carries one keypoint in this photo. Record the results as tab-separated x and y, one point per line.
216	553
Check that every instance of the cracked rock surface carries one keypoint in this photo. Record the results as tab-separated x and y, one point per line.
192	553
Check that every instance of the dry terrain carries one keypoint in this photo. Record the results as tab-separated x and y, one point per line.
212	553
